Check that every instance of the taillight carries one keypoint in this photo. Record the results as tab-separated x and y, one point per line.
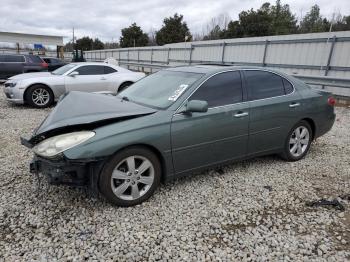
331	101
44	64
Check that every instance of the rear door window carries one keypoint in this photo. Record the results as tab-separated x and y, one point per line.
288	88
263	84
14	58
35	59
90	70
221	89
109	70
2	58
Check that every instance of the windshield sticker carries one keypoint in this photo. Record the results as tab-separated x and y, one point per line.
178	92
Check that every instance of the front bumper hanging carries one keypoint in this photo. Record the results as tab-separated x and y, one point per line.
68	172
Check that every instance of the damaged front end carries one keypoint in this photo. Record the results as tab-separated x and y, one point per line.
73	122
68	172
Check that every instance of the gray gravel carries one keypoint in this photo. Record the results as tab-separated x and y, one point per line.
252	210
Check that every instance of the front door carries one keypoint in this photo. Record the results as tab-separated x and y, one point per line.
91	78
203	139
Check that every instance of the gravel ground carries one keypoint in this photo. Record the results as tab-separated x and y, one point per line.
252	210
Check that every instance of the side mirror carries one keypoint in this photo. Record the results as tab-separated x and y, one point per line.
74	74
196	106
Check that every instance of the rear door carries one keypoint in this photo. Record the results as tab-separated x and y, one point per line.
91	78
202	139
13	65
274	109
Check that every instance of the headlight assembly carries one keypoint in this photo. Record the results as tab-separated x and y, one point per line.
11	84
54	145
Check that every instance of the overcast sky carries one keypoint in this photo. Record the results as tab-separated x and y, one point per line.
105	18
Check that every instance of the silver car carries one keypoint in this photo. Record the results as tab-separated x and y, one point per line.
44	88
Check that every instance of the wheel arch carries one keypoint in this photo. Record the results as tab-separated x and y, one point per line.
39	84
154	150
312	124
124	82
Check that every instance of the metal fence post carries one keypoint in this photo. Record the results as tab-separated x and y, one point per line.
190	60
138	59
151	57
223	53
265	51
128	60
168	56
330	56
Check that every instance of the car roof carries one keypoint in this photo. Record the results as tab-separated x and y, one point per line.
12	54
215	68
90	63
118	68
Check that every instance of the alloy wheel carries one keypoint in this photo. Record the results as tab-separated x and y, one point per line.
299	141
132	177
40	96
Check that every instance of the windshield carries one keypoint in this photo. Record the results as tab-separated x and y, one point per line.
63	69
160	89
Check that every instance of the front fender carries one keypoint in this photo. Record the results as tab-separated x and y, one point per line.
114	137
58	89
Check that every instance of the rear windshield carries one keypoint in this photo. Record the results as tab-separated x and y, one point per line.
12	58
35	59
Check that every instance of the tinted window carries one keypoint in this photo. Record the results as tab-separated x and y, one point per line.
263	84
47	60
288	88
2	58
55	61
90	70
35	59
221	89
109	70
14	58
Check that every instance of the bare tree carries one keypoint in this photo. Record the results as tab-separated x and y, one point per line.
212	30
152	37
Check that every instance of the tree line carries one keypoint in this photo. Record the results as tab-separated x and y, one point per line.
268	20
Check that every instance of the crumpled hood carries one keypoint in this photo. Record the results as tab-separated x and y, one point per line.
81	108
30	75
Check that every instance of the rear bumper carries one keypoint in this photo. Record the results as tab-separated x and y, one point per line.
69	172
325	126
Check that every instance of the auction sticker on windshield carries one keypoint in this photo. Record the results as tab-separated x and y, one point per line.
178	92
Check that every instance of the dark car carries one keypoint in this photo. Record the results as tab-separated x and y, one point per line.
175	122
53	63
13	64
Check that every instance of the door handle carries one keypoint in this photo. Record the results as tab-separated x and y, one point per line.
241	114
103	78
294	104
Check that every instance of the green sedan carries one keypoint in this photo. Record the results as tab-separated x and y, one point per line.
175	122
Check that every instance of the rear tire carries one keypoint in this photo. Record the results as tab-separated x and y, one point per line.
130	177
39	96
298	142
124	86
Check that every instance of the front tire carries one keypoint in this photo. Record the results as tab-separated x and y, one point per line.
39	96
130	177
298	142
